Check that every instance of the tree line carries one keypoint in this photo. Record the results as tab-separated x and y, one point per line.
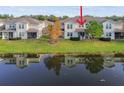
53	17
115	18
5	16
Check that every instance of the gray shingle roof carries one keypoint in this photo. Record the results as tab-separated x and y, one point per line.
87	18
32	30
28	20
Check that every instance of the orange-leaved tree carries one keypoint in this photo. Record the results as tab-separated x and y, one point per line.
55	32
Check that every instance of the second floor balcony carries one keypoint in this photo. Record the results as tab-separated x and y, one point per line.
12	29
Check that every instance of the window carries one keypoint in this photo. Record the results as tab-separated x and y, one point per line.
109	33
12	26
69	26
22	26
110	26
106	34
19	26
21	34
0	34
106	26
69	34
81	25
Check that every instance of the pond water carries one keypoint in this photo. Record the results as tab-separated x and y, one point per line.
64	70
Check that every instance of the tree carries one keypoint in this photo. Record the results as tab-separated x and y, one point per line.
11	16
115	18
52	18
55	32
94	29
49	27
41	17
4	16
123	18
64	17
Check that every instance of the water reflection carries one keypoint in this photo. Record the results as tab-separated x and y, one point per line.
54	63
20	60
93	64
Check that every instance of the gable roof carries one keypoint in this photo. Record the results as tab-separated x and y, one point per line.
3	20
28	20
88	18
120	22
32	30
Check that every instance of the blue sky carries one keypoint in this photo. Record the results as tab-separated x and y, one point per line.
62	10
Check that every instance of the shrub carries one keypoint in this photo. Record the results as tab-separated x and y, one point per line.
74	38
105	39
16	38
44	37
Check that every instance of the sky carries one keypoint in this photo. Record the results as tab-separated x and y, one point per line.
62	10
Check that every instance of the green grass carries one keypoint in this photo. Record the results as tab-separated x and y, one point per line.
63	46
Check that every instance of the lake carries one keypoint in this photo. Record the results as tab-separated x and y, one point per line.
61	70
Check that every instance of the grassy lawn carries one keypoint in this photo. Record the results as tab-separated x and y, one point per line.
64	46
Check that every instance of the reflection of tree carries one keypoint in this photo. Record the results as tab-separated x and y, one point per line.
94	64
54	63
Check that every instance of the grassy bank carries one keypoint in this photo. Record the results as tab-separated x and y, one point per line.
64	46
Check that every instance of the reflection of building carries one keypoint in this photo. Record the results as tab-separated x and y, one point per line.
119	59
71	61
21	61
123	67
108	61
1	59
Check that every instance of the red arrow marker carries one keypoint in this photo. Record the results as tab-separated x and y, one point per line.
81	21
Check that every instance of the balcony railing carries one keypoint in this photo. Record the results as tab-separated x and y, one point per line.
12	29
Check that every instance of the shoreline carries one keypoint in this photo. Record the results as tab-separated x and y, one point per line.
73	54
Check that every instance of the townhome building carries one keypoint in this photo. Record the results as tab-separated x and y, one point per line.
23	27
113	29
72	28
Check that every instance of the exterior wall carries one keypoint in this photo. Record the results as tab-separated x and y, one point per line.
114	26
74	27
108	30
5	35
22	32
37	27
40	28
1	24
74	34
68	30
118	26
112	34
17	31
